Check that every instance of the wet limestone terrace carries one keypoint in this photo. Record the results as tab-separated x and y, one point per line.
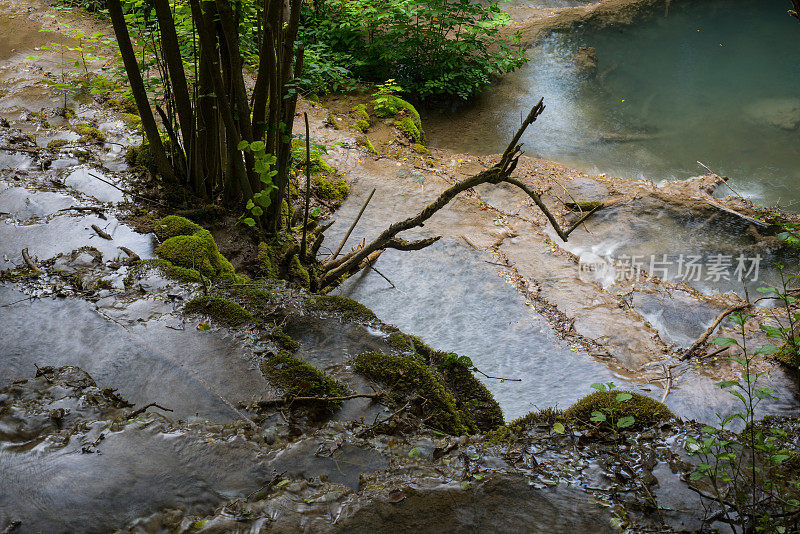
136	397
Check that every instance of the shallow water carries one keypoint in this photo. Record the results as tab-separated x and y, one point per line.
714	82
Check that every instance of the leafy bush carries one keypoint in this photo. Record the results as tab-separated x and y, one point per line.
434	48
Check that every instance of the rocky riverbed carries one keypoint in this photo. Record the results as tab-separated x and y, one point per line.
136	396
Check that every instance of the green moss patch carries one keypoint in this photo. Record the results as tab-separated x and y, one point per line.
410	129
360	113
222	311
364	141
348	308
164	268
190	246
173	225
56	144
407	376
301	379
283	340
266	261
473	397
318	165
645	411
88	134
297	273
332	188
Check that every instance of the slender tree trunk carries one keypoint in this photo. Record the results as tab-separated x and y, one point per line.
139	91
177	76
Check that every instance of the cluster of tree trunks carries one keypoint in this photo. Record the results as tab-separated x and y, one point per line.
206	120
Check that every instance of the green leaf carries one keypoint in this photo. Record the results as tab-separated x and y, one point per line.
598	417
767	349
558	428
243	145
599	387
249	222
257	211
625	422
257	146
622	397
725	341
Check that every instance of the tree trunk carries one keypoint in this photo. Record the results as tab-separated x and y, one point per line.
139	92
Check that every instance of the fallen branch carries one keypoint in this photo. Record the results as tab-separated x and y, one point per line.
334	268
710	330
100	212
102	233
668	375
31	265
143	409
352	226
132	256
500	378
271	403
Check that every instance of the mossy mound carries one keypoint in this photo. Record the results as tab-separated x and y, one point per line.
164	268
332	188
318	165
470	393
473	396
266	261
408	119
88	134
223	311
188	245
362	125
411	130
283	340
301	379
174	225
420	148
360	113
786	356
139	157
408	376
297	273
645	411
348	308
56	144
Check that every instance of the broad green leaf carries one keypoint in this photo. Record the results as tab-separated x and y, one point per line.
558	428
625	422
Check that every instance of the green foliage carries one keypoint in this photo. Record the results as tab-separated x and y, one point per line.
223	311
745	471
264	166
435	48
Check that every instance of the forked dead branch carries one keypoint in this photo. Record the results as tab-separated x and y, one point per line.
335	268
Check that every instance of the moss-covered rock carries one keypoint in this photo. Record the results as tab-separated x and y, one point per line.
88	134
301	379
473	397
348	308
364	141
56	144
399	341
223	311
139	157
188	245
391	105
163	267
318	165
407	376
410	129
332	188
266	265
360	112
645	411
173	225
786	356
297	273
283	340
420	148
361	125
